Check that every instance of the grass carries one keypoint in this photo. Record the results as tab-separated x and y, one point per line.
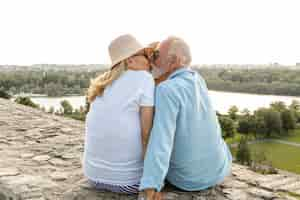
237	137
291	194
293	136
282	156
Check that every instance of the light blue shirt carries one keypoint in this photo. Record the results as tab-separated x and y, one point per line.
186	145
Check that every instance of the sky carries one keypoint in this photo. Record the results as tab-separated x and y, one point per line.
218	31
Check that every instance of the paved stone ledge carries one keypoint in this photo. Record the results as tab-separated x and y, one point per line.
40	158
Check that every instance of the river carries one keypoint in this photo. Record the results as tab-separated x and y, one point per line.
222	101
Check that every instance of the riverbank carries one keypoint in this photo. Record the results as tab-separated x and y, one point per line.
279	81
222	101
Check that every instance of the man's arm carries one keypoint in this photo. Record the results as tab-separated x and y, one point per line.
161	141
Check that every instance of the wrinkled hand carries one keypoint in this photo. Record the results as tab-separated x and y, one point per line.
150	194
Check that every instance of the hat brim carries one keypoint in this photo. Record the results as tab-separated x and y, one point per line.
147	48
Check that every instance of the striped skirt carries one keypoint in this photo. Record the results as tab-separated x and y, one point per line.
126	189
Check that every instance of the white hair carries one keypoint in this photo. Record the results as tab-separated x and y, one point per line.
179	48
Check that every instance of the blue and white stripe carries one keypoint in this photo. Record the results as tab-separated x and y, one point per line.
127	189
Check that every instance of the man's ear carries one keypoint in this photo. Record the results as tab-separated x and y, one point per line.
171	59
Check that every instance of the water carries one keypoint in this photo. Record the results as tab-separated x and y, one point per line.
222	101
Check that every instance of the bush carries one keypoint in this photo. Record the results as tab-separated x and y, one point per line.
295	107
227	126
67	107
26	101
247	124
261	164
268	121
288	120
4	94
232	112
243	154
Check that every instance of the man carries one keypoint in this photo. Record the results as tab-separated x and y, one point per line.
185	146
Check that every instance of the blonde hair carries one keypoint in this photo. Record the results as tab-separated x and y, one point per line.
98	85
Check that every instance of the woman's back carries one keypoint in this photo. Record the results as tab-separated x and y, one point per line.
113	149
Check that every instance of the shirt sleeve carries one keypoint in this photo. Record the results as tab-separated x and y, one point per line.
147	92
158	154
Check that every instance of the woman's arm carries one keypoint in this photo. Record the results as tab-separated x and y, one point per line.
146	125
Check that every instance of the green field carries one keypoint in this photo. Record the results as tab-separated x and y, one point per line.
282	156
293	137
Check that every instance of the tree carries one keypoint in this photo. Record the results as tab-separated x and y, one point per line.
51	110
288	120
295	108
4	94
278	106
232	112
247	124
273	122
245	112
243	154
26	101
227	126
261	128
79	114
295	105
67	107
269	121
54	89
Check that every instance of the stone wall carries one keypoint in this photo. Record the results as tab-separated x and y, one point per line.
40	158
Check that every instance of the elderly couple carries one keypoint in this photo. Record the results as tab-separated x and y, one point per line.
151	122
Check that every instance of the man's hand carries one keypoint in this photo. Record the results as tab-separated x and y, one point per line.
150	194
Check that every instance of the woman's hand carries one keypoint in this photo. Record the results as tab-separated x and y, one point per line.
146	125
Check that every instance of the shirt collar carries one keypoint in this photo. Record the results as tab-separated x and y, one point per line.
179	71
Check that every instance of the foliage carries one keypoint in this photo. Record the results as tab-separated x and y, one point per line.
277	81
293	136
288	120
4	94
68	111
26	101
67	107
269	121
288	116
247	124
261	164
50	82
278	106
281	156
51	110
227	126
295	107
232	112
243	154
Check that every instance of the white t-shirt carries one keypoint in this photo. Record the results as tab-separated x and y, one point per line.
113	147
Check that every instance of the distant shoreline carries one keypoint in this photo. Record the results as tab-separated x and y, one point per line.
80	95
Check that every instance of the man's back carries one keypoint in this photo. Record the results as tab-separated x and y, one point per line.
199	157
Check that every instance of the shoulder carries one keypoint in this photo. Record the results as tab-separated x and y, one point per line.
169	86
167	90
141	75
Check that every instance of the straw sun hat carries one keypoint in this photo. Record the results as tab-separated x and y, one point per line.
124	47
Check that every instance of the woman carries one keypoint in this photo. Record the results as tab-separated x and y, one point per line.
120	119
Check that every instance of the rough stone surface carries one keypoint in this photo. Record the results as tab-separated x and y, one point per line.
40	158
